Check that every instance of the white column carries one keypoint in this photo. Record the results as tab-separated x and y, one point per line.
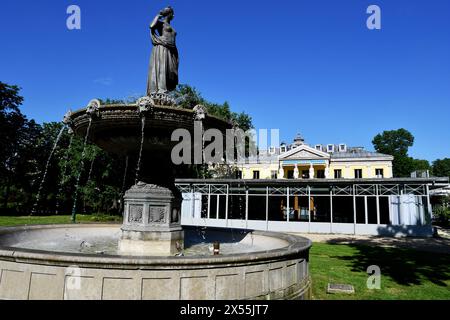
296	172
378	206
400	208
192	203
309	207
208	214
217	207
354	210
267	208
331	210
331	205
311	172
366	213
246	209
327	172
226	205
287	204
281	173
430	209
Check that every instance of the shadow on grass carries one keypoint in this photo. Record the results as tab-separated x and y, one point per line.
404	266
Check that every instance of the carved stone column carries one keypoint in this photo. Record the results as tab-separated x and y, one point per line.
151	225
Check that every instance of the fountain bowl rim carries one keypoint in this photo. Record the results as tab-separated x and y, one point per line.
118	106
297	245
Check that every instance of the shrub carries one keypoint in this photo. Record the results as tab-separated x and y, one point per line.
442	215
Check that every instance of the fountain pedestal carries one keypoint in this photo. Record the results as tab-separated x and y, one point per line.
151	224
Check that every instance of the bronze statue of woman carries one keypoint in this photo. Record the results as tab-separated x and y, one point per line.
163	71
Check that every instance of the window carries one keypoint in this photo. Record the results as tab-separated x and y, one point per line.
358	174
342	148
379	173
319	147
338	174
321	174
330	148
272	150
283	149
239	174
256	175
274	174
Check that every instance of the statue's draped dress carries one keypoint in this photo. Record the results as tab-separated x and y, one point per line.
163	73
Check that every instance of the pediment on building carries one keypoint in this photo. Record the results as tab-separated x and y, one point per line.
304	153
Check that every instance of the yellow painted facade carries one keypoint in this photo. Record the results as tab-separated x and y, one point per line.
369	164
368	168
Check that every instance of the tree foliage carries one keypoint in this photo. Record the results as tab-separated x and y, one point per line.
394	142
192	98
441	167
397	143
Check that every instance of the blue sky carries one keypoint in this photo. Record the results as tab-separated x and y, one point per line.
308	66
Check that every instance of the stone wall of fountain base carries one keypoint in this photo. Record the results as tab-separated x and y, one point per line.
280	272
151	224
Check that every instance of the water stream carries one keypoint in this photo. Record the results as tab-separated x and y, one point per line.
77	186
61	185
91	169
138	167
44	177
124	181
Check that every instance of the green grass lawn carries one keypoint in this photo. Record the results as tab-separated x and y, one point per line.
27	220
405	273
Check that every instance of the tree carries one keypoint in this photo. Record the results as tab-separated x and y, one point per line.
420	165
441	167
13	130
396	143
243	120
192	98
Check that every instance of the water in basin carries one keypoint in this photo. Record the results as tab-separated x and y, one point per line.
104	241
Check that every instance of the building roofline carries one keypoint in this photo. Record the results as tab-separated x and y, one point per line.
436	182
375	158
304	147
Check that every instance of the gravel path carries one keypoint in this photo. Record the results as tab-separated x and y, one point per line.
440	244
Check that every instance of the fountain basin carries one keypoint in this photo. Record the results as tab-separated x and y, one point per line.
49	262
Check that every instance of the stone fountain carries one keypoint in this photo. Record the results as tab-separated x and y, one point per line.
140	259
